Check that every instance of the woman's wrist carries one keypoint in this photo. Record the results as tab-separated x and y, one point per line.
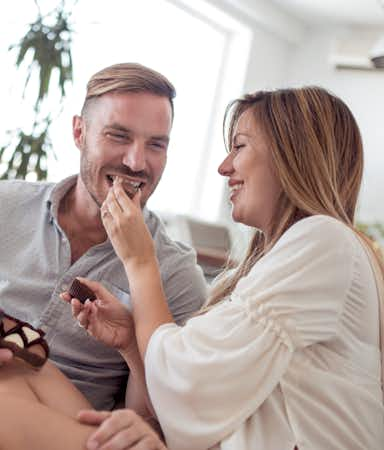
137	268
131	354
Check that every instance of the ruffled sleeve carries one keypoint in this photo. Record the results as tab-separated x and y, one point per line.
209	376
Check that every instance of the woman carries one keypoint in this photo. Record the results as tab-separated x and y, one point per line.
286	353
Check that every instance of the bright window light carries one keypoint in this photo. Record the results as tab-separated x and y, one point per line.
202	51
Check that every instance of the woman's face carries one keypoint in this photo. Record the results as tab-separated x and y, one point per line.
253	186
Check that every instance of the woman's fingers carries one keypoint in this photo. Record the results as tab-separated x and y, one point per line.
82	316
81	312
112	426
92	417
137	198
121	196
100	291
113	205
119	430
148	443
66	297
93	320
118	202
124	439
76	306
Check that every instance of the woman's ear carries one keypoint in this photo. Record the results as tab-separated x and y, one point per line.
78	131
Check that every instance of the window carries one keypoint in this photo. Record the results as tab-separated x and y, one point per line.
202	51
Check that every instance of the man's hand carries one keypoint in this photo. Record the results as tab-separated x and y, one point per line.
5	356
105	318
120	430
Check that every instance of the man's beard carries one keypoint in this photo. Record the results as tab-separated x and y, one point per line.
87	175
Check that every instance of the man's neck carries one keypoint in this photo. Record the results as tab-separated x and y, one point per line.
79	217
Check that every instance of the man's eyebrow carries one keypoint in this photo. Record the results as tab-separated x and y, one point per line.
163	138
117	126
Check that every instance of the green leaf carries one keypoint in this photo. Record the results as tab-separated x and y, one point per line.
45	48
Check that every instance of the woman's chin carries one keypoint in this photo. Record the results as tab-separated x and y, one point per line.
236	216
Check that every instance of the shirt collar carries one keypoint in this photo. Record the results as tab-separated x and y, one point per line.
57	193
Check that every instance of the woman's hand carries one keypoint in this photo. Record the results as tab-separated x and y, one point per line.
106	318
120	430
123	220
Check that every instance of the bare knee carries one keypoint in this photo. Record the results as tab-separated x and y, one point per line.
11	434
14	380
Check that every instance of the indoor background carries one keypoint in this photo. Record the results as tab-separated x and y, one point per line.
213	51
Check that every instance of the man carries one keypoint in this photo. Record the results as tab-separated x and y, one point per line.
51	233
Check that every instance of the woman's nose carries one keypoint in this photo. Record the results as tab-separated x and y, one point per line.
226	167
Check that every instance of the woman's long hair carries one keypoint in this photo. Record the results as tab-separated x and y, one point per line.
317	153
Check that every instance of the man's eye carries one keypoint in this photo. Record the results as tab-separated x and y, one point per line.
158	145
117	136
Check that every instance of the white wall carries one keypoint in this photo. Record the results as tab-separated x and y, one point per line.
267	69
299	54
363	91
273	43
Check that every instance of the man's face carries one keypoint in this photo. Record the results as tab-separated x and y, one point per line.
124	134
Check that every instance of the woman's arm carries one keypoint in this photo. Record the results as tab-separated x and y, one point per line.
123	220
150	308
136	396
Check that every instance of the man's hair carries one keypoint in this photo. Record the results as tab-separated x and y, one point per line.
128	77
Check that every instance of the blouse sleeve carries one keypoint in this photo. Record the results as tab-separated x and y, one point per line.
206	378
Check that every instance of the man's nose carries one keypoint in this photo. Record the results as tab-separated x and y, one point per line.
134	157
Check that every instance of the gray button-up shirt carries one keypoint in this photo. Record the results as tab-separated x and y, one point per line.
35	267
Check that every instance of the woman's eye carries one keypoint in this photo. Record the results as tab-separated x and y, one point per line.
237	147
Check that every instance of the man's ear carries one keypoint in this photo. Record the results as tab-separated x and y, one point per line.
78	131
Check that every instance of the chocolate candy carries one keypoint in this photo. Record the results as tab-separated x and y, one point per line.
25	341
81	291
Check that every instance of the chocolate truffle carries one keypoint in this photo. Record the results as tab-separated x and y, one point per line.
81	291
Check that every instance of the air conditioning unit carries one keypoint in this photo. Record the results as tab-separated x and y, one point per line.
359	49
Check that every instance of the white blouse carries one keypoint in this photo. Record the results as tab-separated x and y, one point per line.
291	359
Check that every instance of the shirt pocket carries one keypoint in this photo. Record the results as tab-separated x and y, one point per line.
121	295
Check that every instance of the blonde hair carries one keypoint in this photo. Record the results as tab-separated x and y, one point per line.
317	153
128	77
